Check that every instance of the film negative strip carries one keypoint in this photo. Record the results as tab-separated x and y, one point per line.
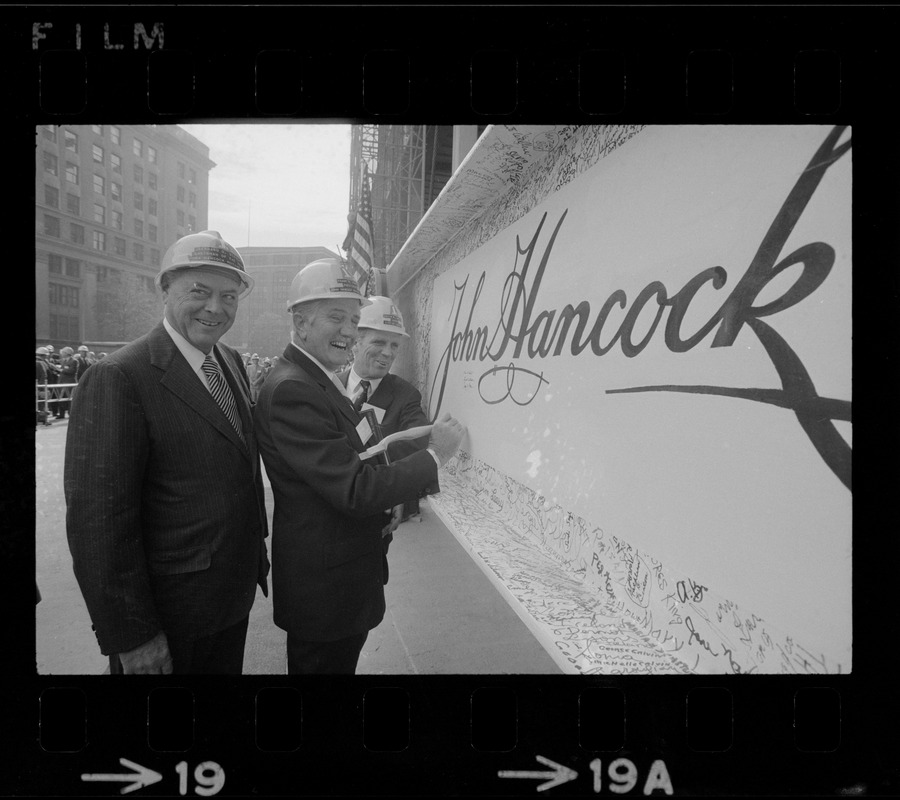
485	713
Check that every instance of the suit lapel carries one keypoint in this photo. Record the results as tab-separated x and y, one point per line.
178	378
315	372
383	396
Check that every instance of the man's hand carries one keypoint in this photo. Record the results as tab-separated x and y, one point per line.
446	434
150	658
396	517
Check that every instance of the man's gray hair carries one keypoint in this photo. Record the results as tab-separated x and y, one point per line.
304	312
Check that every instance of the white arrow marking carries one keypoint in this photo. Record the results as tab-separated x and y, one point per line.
143	776
559	775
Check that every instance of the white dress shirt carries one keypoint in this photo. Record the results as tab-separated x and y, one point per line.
193	356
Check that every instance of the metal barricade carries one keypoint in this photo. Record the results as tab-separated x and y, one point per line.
46	394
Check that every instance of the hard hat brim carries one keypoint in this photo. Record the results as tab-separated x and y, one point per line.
363	301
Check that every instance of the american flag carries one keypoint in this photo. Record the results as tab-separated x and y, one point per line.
359	241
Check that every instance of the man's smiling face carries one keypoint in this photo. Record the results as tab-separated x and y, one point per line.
328	331
201	305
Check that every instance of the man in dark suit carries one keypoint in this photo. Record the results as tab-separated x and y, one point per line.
327	578
395	403
166	513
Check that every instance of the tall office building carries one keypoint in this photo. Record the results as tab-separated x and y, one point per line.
109	200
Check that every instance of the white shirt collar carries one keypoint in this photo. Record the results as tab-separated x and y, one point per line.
353	380
331	376
193	356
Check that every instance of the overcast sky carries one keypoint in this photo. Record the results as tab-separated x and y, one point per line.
290	184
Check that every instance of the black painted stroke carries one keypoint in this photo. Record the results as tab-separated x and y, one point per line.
815	414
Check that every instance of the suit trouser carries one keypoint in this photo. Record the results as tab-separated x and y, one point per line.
324	658
221	653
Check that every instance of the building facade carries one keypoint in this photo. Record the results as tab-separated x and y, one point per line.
262	324
109	200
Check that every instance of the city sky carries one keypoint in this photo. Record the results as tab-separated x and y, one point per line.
278	185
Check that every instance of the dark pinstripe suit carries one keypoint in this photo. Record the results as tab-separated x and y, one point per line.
166	513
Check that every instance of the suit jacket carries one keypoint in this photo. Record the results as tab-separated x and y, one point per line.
166	513
327	561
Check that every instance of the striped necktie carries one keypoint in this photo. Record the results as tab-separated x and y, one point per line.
361	396
221	393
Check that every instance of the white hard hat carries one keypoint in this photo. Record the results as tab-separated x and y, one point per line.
205	249
83	349
42	351
382	315
327	278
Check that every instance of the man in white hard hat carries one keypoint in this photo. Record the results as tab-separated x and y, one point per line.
166	514
327	562
395	403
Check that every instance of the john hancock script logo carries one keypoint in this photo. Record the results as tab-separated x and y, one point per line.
521	327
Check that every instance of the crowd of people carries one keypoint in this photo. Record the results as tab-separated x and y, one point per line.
166	519
56	375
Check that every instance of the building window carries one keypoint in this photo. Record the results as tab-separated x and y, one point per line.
138	148
50	132
179	217
192	223
51	196
99	214
64	328
61	295
181	170
71	141
51	225
192	202
151	154
192	177
117	220
71	172
116	163
73	203
73	268
54	263
151	206
139	201
119	245
138	252
51	164
108	275
97	153
98	129
76	233
152	232
99	240
138	174
151	180
138	228
99	184
115	133
115	191
180	194
154	256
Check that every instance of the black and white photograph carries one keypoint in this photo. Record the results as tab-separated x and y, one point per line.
452	401
623	353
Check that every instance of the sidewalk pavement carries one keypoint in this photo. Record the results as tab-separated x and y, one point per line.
443	615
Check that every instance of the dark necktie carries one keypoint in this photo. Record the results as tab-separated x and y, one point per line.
361	396
221	393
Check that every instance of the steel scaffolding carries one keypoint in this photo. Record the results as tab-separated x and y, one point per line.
395	156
